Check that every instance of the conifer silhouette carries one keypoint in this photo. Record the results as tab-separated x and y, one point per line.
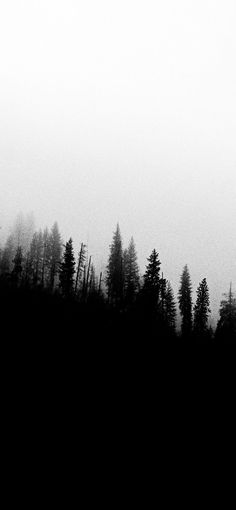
55	250
115	270
202	309
185	302
131	273
151	286
170	308
67	270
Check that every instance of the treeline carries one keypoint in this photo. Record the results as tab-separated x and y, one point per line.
37	263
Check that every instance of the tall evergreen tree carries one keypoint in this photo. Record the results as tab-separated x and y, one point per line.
185	302
170	308
151	286
163	290
55	251
67	270
36	249
202	309
115	270
131	273
45	256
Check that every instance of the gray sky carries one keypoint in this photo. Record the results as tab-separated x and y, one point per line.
124	111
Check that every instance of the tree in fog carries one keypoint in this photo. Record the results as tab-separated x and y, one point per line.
18	266
22	231
202	309
163	289
86	279
55	250
39	258
80	266
30	261
226	327
45	257
151	285
185	302
170	307
20	235
17	230
131	273
92	280
115	270
67	270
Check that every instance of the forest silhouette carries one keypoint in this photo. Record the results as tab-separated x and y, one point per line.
49	291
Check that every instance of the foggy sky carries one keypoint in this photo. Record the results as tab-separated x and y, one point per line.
124	111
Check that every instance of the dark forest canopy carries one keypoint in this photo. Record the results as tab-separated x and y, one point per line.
39	264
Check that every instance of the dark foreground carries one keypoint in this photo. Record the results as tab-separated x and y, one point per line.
43	332
88	393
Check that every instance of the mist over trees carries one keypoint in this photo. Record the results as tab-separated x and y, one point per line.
39	261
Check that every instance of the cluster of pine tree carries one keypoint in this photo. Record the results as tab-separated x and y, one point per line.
36	264
143	304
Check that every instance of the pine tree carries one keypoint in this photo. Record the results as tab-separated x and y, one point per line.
163	290
151	286
131	273
115	270
31	261
67	270
45	256
87	279
21	235
202	309
170	308
55	250
185	302
37	256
